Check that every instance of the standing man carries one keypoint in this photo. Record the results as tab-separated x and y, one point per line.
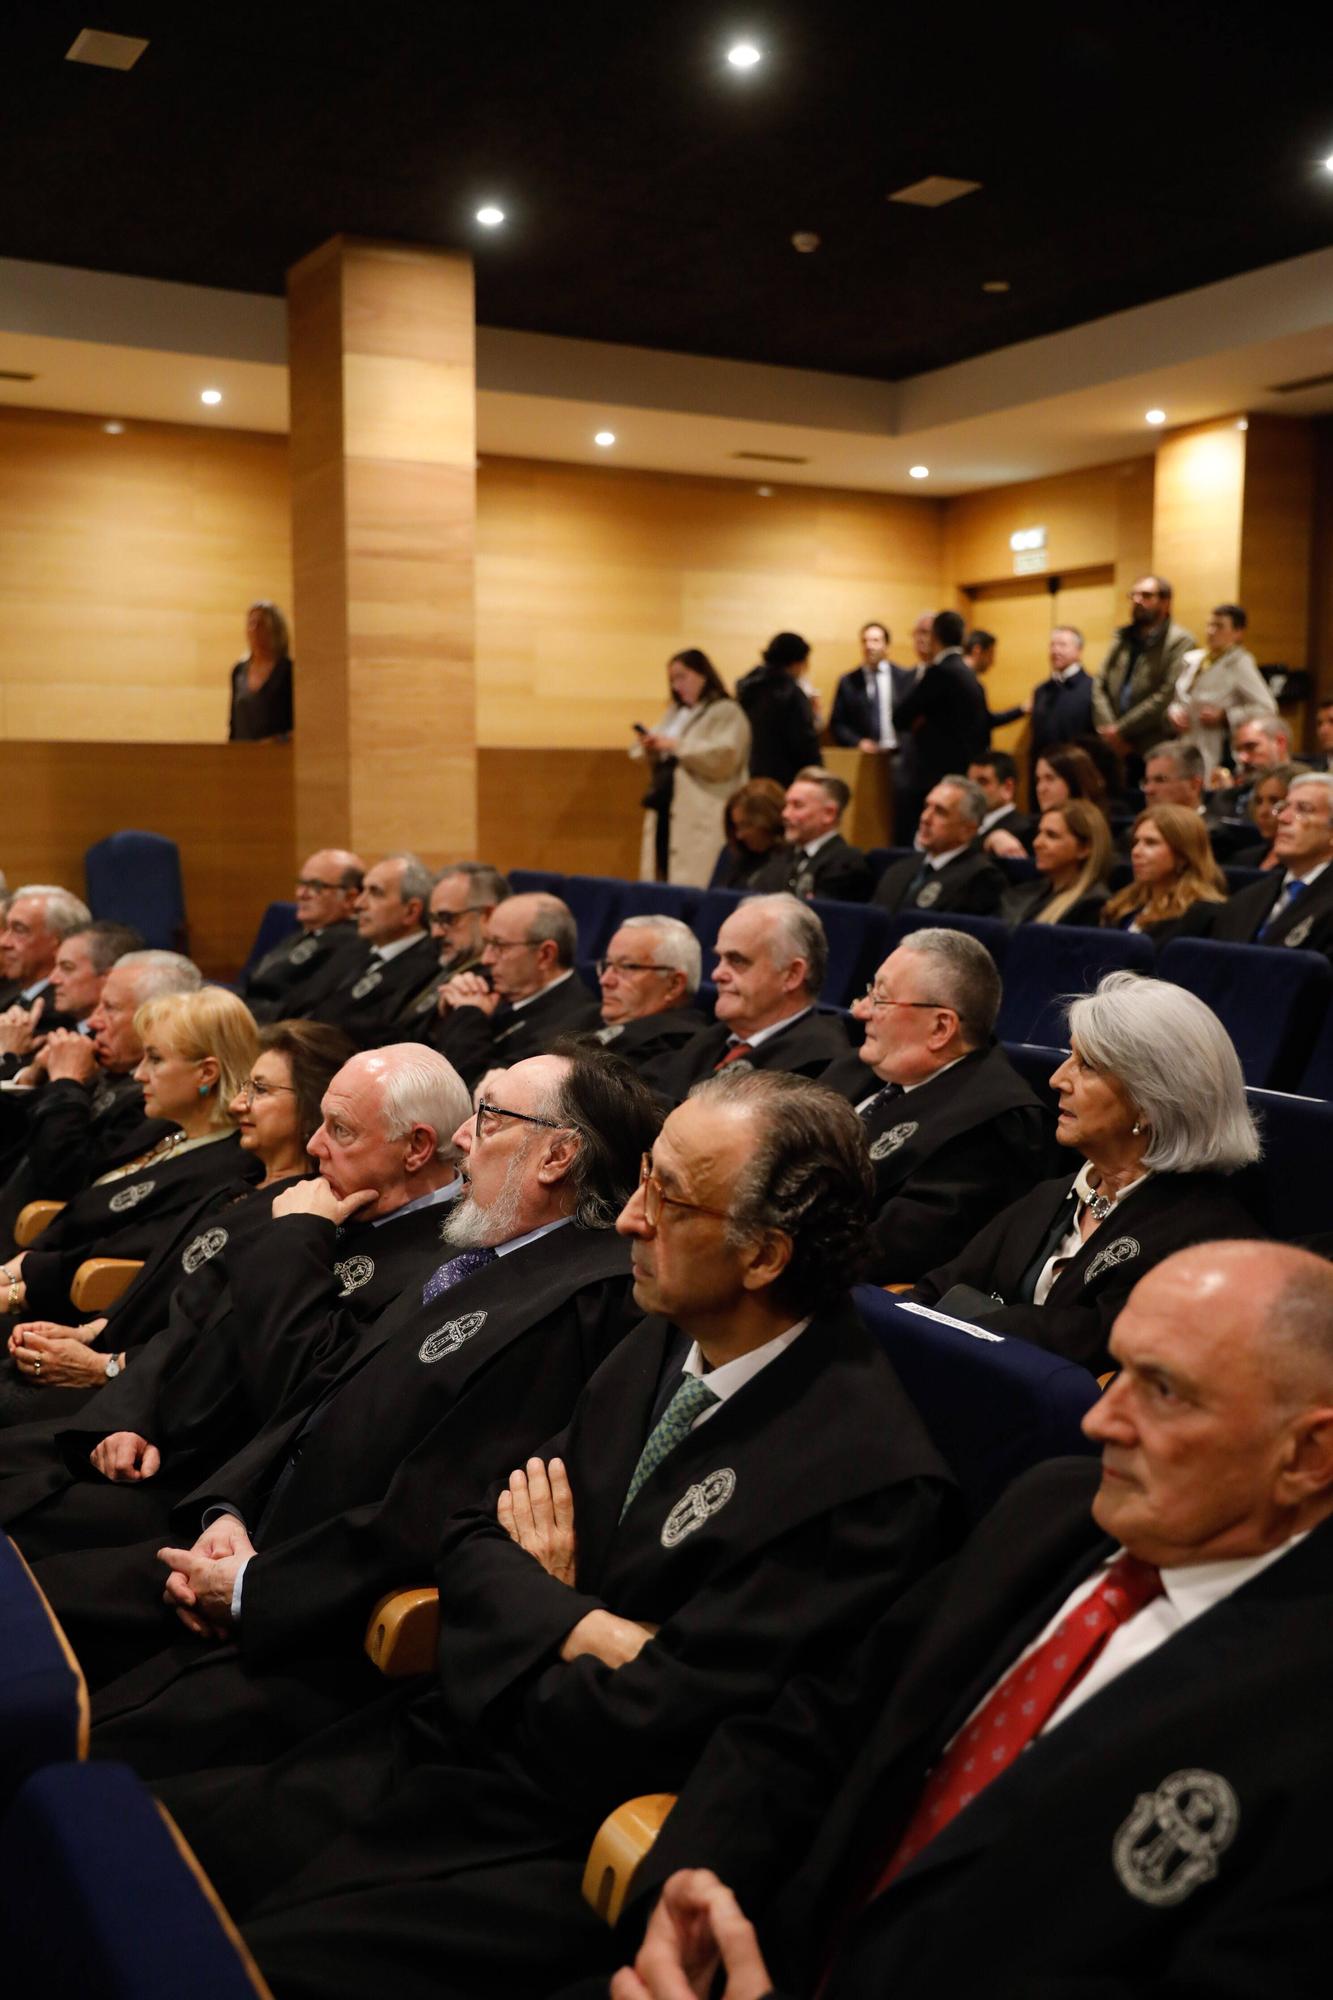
950	872
1138	678
1062	704
816	860
649	977
461	905
979	652
1323	729
863	703
326	892
525	995
946	710
1293	905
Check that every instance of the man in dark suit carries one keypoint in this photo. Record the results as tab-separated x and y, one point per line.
945	713
955	1133
82	963
461	905
863	703
649	977
1294	904
1062	704
326	892
362	987
39	916
741	1486
816	860
771	959
950	872
1004	829
1127	1823
1322	760
525	994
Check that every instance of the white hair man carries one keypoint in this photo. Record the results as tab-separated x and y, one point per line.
1293	905
365	985
39	917
649	975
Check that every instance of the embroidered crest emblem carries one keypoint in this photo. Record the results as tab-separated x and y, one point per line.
300	953
605	1035
1299	932
367	983
894	1139
1170	1843
130	1197
103	1098
929	895
447	1339
354	1272
1115	1253
706	1497
740	1067
202	1249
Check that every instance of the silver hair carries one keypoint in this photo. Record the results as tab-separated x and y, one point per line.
965	976
416	880
486	885
1186	757
62	912
420	1087
160	972
1324	780
553	923
798	933
1272	725
973	799
677	946
1176	1064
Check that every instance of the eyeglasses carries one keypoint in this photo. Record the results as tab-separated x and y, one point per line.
255	1086
313	882
506	944
444	920
655	1198
605	965
881	1001
485	1110
1300	810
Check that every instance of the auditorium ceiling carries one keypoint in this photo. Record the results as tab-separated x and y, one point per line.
651	191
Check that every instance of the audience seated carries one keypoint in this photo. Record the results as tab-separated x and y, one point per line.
816	860
1295	906
1153	1098
365	985
742	1489
954	1132
38	918
1067	771
1072	851
771	958
461	905
1259	742
1173	775
524	995
1266	796
1004	829
951	874
1177	884
753	820
649	977
1148	1819
1137	682
326	892
82	962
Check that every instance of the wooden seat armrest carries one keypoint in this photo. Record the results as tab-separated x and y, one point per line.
403	1630
895	1288
33	1219
619	1845
100	1281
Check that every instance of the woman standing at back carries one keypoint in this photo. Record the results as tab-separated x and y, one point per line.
698	752
261	683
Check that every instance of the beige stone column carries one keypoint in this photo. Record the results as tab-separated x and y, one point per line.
383	464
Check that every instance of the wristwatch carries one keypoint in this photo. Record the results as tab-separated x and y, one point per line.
112	1368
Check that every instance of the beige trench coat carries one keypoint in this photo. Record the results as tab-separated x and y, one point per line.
712	754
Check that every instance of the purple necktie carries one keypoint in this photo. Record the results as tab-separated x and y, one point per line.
451	1274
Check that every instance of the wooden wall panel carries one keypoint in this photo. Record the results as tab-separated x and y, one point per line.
1088	516
1277	532
1197	518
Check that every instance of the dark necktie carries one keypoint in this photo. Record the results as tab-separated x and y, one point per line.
873	1108
675	1424
1290	891
453	1273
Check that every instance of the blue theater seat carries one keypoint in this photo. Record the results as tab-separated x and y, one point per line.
135	878
1317	1076
598	902
993	932
104	1899
43	1700
1046	963
1018	867
536	881
858	939
993	1405
661	899
1241	878
1271	1000
1291	1180
880	858
714	907
1037	1063
277	921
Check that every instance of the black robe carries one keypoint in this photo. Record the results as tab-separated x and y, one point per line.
1048	1883
1306	924
298	960
434	1845
806	1048
365	999
75	1132
1163	1214
838	870
1022	901
652	1036
415	1415
970	885
475	1042
947	1157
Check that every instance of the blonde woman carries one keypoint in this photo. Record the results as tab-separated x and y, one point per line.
261	683
1072	852
1176	880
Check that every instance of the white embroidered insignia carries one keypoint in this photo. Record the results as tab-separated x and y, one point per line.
1115	1253
1170	1843
894	1139
367	983
202	1249
299	953
447	1339
354	1272
1299	932
130	1197
928	895
706	1497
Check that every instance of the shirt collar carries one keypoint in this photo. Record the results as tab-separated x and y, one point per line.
812	847
530	1236
1069	673
385	952
1194	1588
449	1192
733	1375
776	1028
517	1006
938	861
1310	875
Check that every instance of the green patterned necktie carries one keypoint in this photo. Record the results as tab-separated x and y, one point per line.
674	1424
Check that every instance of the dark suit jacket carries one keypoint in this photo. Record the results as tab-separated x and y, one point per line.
1020	824
950	707
1061	712
475	1042
855	708
838	870
652	1036
1306	924
364	1000
1022	900
970	884
783	737
1045	1884
947	1156
806	1048
296	961
1165	1213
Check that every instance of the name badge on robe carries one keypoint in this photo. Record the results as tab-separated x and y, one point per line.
1299	932
300	953
708	1496
1170	1843
130	1197
367	983
894	1139
202	1249
928	895
447	1339
1115	1253
354	1272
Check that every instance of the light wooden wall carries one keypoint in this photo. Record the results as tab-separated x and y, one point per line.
1198	498
1091	518
1277	531
126	565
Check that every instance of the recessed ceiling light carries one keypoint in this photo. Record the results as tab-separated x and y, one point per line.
743	55
604	438
104	51
995	285
210	396
1242	423
918	472
1154	416
805	240
763	492
114	428
933	191
1328	164
489	216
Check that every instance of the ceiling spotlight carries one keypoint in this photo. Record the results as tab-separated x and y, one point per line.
1242	423
1154	416
604	438
744	55
995	285
490	217
763	492
918	472
114	428
805	241
210	396
1328	164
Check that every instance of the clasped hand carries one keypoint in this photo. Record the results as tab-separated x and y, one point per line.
468	989
68	1056
18	1026
697	1927
536	1510
202	1580
58	1357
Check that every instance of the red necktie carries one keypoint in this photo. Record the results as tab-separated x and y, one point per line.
1022	1704
732	1055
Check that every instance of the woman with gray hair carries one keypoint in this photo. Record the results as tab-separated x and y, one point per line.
1152	1096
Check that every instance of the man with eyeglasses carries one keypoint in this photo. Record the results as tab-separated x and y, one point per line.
364	988
461	905
1293	905
955	1134
326	892
742	1489
649	976
524	996
39	916
276	1562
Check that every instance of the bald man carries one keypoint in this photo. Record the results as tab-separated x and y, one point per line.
1085	1774
326	892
